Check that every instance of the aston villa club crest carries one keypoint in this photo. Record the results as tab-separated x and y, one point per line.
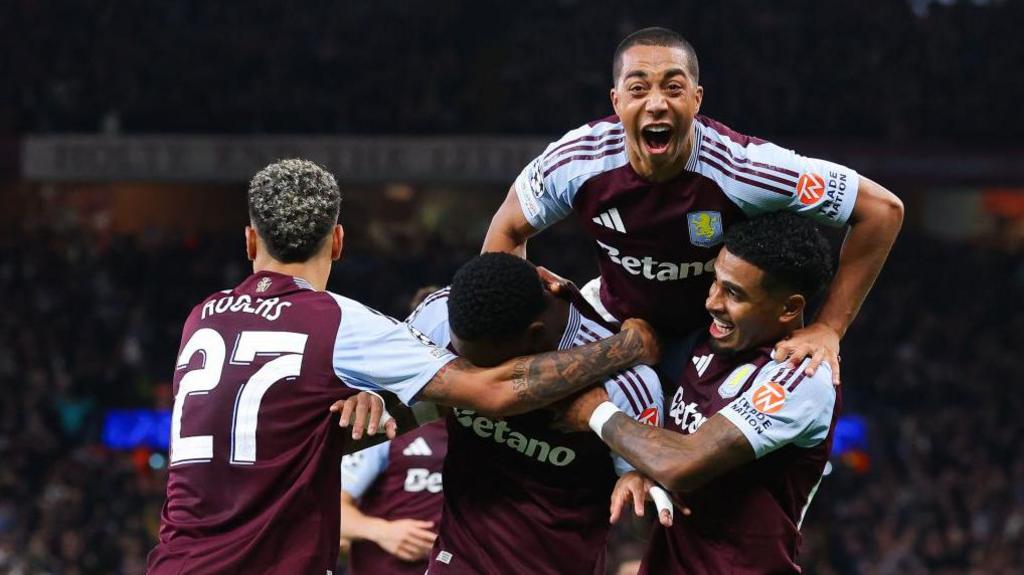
705	228
263	285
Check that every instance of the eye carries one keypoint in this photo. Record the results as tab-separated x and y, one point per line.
637	89
675	89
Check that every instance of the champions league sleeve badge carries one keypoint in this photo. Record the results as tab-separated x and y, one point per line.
705	228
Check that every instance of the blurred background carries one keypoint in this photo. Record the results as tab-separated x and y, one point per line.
128	131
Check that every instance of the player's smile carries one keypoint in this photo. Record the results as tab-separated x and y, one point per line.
720	329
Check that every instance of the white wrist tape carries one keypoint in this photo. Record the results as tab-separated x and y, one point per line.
384	416
661	500
601	415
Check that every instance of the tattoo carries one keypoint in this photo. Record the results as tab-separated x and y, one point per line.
534	381
679	462
539	380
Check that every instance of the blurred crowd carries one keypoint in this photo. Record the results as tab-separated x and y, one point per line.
92	320
883	70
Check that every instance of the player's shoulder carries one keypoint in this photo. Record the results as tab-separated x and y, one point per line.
711	131
589	149
430	318
782	377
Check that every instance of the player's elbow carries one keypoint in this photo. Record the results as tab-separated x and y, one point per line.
683	478
884	207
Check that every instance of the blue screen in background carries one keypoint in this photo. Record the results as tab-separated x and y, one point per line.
851	434
131	428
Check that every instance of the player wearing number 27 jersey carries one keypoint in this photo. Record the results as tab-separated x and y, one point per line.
255	452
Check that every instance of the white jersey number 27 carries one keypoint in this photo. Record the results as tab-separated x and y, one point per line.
288	346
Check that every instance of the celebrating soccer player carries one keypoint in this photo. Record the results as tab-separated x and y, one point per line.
254	457
520	496
657	186
746	439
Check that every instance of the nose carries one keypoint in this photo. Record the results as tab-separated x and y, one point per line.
655	103
714	301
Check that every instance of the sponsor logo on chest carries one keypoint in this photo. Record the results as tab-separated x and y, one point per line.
686	416
501	433
418	479
652	269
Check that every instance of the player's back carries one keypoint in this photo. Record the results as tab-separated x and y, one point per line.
253	484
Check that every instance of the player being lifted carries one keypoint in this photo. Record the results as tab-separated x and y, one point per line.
520	496
254	457
657	186
746	439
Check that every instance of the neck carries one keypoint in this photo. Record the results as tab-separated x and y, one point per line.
648	171
556	317
781	333
313	271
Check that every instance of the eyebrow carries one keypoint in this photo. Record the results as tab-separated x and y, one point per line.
734	287
642	74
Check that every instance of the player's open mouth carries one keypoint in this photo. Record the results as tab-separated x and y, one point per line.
720	329
657	137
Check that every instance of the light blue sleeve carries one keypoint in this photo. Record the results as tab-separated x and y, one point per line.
373	351
783	407
430	318
360	469
637	393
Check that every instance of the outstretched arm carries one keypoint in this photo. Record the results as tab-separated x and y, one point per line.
527	383
509	229
876	220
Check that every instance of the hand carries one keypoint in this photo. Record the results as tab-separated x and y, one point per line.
407	539
365	411
649	338
575	416
817	341
555	283
633	486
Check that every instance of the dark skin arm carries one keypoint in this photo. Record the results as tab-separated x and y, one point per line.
527	383
679	462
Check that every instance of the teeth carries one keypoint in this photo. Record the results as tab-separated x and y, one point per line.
657	129
722	325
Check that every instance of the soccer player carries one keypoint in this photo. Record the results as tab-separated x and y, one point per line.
391	502
520	496
254	457
657	185
746	438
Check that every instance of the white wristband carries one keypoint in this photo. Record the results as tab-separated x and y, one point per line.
601	415
384	416
661	500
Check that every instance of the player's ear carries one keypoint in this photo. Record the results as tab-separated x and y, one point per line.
535	335
615	99
337	241
793	308
251	240
698	96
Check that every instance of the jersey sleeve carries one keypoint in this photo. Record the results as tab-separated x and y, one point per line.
762	177
360	469
430	318
373	351
547	186
637	393
784	406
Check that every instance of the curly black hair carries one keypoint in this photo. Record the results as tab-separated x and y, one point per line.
789	249
494	296
293	204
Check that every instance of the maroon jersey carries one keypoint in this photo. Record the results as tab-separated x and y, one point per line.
520	497
656	242
747	521
254	457
399	479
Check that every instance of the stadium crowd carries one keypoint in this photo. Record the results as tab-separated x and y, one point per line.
462	66
91	322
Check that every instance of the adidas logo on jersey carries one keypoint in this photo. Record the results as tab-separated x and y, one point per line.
418	447
611	219
702	363
652	269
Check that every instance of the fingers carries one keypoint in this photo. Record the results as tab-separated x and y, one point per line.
833	362
664	504
391	429
359	418
376	408
348	406
637	491
618	500
665	517
816	360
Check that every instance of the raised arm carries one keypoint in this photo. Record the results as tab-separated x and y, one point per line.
527	383
874	223
509	229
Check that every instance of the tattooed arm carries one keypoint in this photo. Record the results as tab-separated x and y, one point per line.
527	383
679	462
